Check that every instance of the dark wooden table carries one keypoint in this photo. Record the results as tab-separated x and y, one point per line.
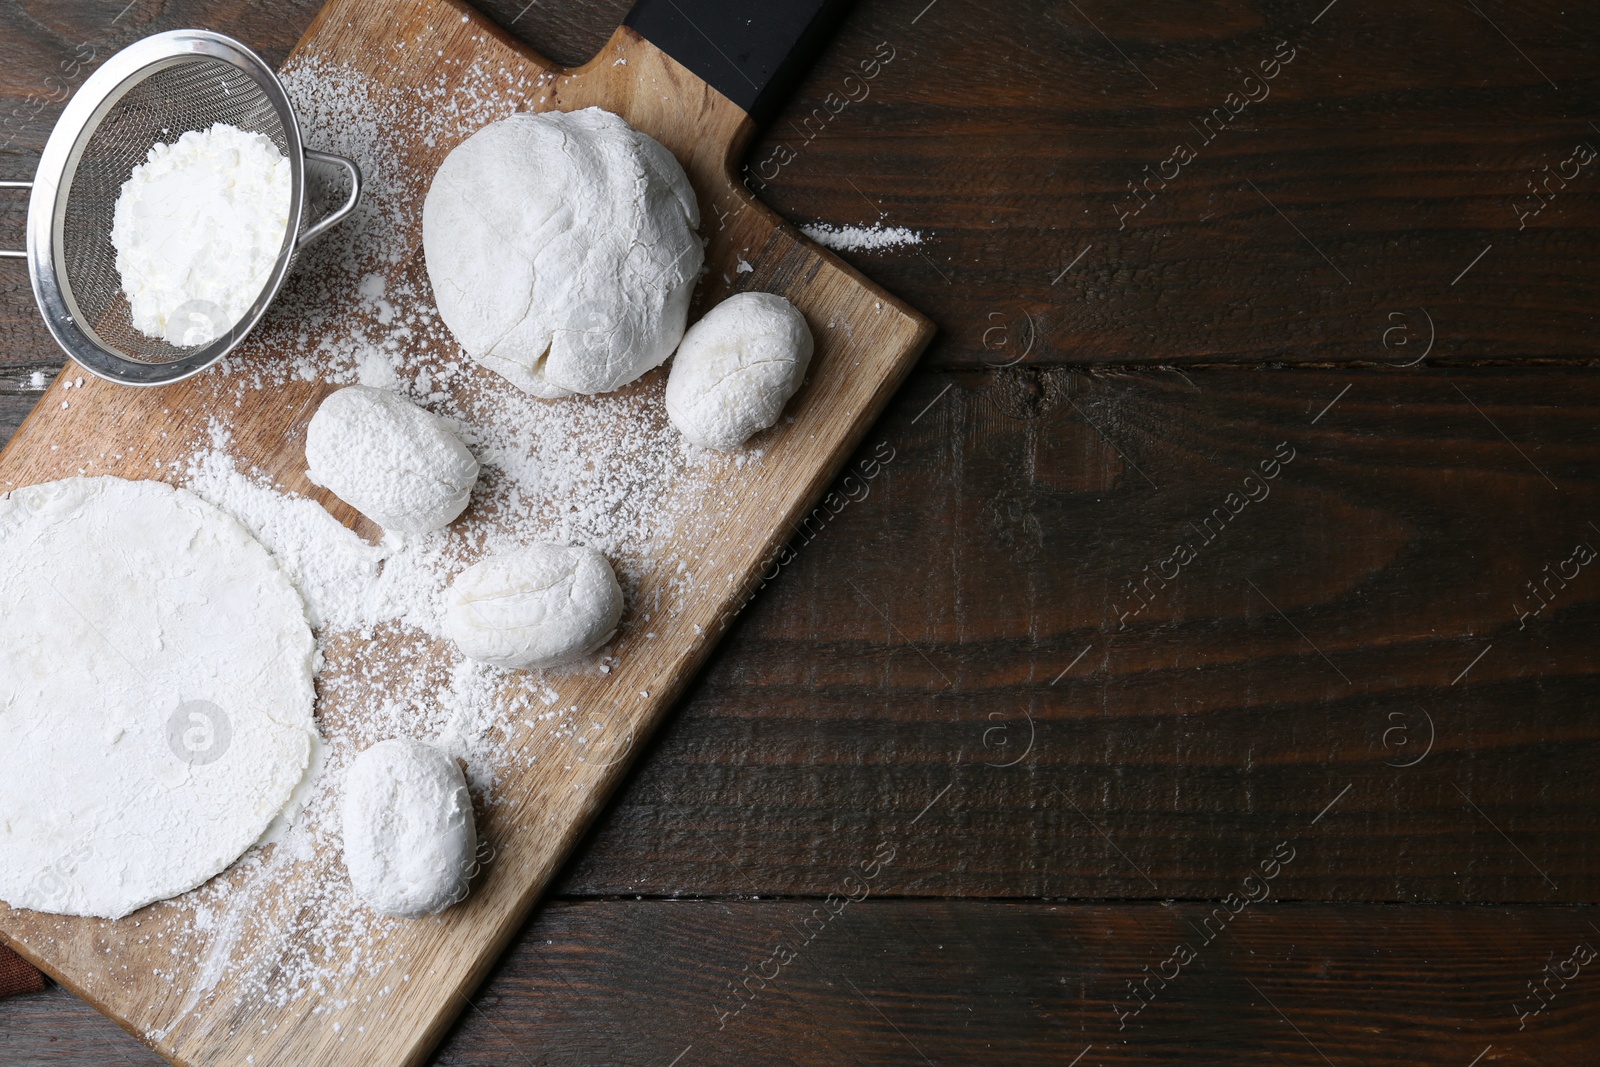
1208	677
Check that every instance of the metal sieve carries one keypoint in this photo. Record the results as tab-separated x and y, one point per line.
155	90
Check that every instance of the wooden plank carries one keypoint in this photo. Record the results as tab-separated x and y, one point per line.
1003	534
1399	143
999	538
969	601
14	407
899	982
1378	164
49	51
371	991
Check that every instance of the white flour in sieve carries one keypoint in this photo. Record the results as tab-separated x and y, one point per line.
198	228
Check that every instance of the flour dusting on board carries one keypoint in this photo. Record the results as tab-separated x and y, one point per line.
605	471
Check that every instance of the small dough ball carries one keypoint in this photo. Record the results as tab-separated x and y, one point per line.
736	369
409	837
541	606
562	250
397	464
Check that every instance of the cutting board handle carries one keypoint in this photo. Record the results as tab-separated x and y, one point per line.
753	52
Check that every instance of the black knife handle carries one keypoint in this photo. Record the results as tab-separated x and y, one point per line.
753	52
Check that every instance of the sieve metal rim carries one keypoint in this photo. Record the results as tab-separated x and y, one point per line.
58	166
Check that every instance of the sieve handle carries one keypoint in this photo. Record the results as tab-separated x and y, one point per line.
6	253
333	218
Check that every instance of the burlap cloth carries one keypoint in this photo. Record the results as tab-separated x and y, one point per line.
17	975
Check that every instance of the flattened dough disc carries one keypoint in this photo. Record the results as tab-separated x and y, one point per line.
155	694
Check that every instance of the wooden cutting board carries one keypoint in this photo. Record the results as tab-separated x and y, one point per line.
412	979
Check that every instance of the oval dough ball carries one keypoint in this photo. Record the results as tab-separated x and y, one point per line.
562	251
736	369
541	606
397	464
409	837
155	694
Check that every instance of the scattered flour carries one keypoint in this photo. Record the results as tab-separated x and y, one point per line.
347	584
861	238
283	927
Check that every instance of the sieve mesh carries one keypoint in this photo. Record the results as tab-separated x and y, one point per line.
190	93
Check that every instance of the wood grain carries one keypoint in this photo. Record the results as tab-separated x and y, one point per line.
998	538
964	616
394	1010
1392	150
1399	144
946	982
13	409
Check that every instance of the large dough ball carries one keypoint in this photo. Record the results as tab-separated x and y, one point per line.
736	369
541	606
409	836
562	251
397	464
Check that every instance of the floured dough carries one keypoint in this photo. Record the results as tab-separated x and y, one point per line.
397	464
155	694
409	836
562	251
736	369
541	606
